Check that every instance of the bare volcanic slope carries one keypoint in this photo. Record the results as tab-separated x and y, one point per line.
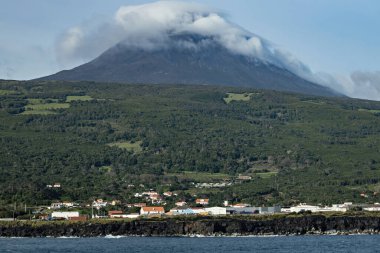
188	59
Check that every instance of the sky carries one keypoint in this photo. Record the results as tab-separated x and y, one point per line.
336	39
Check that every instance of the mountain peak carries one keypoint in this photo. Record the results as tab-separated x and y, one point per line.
188	58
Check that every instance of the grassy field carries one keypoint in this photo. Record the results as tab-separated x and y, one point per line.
7	92
49	106
371	111
127	145
38	101
105	169
78	98
237	97
266	174
38	112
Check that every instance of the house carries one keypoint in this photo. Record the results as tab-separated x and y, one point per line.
115	202
114	212
149	193
168	194
202	201
99	203
136	205
68	204
148	210
241	205
56	185
216	210
243	177
63	215
155	197
181	203
58	205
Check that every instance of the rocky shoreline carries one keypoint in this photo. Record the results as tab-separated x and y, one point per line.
204	226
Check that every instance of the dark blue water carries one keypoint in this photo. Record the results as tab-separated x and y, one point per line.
310	244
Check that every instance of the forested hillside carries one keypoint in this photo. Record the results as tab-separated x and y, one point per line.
97	139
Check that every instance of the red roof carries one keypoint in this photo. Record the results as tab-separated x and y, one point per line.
153	209
115	212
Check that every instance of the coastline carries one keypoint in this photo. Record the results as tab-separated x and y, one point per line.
273	225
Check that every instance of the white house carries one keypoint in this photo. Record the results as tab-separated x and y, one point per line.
216	210
68	204
58	205
181	203
99	203
64	215
148	210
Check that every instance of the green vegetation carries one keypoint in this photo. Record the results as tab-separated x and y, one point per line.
49	106
238	97
371	111
35	112
78	98
323	151
200	176
107	169
7	92
127	145
266	174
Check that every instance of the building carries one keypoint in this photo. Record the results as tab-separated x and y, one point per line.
63	215
132	216
203	202
115	202
136	205
253	210
149	210
182	210
243	177
168	194
315	209
57	205
199	210
181	203
69	204
216	210
240	205
57	185
99	203
114	212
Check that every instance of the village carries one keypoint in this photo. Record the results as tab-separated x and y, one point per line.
153	204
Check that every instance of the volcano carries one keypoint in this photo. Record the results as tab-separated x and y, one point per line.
189	59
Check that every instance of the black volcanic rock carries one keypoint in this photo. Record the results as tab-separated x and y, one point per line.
208	226
188	59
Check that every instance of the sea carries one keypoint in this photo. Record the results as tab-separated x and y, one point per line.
275	244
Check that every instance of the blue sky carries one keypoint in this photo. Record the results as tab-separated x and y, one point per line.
333	36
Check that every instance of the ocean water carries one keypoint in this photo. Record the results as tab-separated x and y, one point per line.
277	244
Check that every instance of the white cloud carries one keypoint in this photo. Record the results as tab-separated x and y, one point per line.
149	26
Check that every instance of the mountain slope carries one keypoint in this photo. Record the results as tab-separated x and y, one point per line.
188	59
98	138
